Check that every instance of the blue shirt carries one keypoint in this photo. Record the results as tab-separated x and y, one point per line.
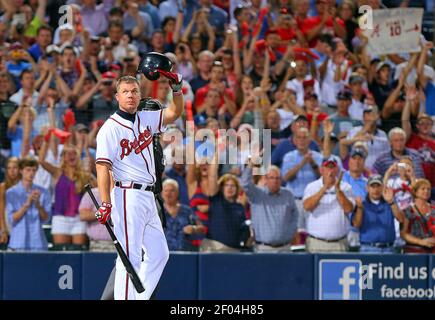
182	186
304	176
27	233
153	12
378	223
174	228
286	146
17	139
358	185
430	98
226	221
35	51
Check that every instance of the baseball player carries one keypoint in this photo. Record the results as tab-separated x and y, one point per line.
153	105
125	147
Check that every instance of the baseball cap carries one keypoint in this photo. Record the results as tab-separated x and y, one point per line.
358	151
355	78
68	45
330	161
52	48
16	46
307	83
381	65
114	66
375	60
344	95
80	127
109	75
310	95
377	178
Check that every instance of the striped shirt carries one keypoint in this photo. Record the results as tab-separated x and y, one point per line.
27	233
385	160
274	216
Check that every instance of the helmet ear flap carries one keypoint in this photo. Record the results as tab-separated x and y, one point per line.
151	63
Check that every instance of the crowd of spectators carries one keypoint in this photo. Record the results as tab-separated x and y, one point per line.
352	133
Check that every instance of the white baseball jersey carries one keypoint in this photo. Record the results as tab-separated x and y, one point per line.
128	146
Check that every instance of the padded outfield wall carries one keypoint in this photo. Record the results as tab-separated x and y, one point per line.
240	276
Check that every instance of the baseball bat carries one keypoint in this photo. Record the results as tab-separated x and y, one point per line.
125	261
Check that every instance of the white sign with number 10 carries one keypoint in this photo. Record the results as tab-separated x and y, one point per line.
394	31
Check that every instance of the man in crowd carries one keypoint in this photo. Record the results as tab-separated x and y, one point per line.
273	209
328	201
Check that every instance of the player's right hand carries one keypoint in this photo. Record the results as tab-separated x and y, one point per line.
103	213
175	80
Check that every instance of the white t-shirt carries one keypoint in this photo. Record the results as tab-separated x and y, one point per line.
286	118
328	220
330	88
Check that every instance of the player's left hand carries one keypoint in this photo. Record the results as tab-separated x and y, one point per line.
175	80
103	213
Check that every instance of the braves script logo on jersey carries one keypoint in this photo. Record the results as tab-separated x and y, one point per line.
138	144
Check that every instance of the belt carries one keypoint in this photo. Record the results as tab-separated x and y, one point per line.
327	240
298	198
137	186
276	245
378	244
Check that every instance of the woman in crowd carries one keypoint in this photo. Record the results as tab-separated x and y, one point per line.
419	226
11	179
227	230
69	181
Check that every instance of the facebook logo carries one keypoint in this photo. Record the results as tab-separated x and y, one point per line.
340	280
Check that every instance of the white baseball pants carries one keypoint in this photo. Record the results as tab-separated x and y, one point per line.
137	226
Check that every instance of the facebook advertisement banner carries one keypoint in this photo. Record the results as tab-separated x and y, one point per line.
179	280
373	277
42	276
96	271
265	276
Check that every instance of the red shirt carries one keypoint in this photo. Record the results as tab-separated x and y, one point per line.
426	149
322	116
286	35
312	22
202	93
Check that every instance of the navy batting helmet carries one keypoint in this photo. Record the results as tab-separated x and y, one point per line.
153	62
